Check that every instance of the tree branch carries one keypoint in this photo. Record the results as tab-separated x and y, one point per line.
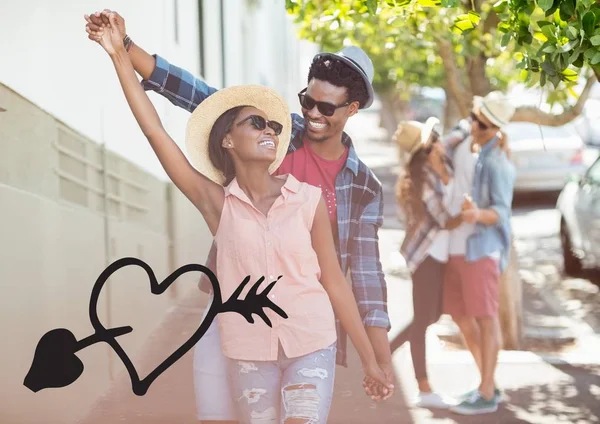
536	116
453	79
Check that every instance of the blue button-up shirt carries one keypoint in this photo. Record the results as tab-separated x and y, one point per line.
358	195
493	185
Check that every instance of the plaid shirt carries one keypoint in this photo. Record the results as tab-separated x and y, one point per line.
359	204
421	234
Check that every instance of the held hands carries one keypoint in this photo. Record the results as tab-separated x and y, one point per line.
378	381
107	28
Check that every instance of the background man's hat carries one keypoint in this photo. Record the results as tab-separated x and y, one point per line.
357	59
495	107
411	136
205	115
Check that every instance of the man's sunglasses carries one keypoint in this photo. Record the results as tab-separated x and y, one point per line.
325	108
261	123
482	126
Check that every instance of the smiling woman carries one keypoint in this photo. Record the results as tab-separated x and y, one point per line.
236	140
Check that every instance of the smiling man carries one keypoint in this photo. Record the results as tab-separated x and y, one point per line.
321	154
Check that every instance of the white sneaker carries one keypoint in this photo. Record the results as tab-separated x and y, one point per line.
430	400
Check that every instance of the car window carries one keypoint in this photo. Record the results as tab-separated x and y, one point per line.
593	174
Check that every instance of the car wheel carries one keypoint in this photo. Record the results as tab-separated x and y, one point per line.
573	264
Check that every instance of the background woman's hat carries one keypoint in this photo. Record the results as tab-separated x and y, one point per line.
357	59
204	116
411	136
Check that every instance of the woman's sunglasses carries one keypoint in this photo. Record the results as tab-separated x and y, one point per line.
261	123
482	125
325	108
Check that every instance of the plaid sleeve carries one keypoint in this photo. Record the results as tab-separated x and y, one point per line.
434	203
368	281
179	86
211	263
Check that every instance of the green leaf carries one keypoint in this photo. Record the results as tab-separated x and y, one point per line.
548	31
550	48
548	68
574	55
543	79
474	17
505	40
567	9
500	6
429	3
596	59
553	9
450	3
554	79
568	47
572	33
569	75
588	22
372	6
290	5
589	53
595	40
542	24
545	5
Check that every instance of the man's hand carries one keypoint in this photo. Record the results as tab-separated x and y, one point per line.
99	20
377	391
470	215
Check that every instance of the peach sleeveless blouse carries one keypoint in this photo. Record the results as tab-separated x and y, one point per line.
250	243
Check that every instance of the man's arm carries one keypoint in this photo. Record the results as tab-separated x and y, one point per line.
368	281
501	194
177	85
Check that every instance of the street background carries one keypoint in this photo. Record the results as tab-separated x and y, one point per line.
80	188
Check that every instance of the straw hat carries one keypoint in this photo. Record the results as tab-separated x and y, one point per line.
411	136
495	107
204	116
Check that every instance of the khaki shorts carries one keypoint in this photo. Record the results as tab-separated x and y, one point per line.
471	288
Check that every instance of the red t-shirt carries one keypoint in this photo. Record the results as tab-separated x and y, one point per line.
306	166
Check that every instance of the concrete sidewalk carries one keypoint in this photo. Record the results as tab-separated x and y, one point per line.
535	391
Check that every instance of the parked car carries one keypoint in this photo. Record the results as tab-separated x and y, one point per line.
579	207
544	157
588	123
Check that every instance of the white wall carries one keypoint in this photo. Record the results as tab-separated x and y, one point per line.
48	59
53	64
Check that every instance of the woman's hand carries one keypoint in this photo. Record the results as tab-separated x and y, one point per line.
109	35
375	383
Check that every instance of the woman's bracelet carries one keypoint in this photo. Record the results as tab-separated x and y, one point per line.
128	42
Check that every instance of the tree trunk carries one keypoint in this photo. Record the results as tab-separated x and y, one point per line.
480	84
511	309
451	111
392	111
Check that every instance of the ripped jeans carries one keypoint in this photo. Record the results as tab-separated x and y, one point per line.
273	391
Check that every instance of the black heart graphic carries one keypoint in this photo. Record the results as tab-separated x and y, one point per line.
55	363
